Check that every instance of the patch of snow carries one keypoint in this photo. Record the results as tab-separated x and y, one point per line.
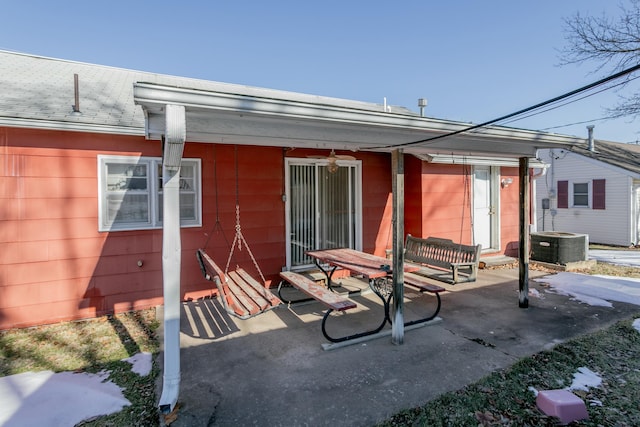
594	290
140	363
584	379
636	325
535	293
533	390
43	398
625	258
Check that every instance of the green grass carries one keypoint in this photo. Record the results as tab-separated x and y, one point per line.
91	346
504	398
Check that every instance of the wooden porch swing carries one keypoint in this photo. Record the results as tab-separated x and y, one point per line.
241	295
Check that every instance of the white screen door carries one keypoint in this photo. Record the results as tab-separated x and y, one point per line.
323	209
484	206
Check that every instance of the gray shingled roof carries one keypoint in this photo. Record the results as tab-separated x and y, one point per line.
626	156
40	91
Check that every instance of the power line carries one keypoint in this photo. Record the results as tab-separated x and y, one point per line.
524	110
571	102
576	123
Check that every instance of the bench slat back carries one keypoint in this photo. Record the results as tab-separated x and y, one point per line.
437	251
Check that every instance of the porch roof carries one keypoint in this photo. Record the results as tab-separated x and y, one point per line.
275	118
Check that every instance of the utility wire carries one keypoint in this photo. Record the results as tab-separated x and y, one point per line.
576	123
524	110
571	101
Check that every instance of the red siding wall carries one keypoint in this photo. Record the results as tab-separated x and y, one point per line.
446	204
510	212
413	221
55	265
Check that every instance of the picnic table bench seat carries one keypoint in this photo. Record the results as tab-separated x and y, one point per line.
318	292
452	262
330	299
241	295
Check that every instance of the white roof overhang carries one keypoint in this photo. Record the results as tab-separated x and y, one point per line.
306	121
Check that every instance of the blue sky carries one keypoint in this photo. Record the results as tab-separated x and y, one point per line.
473	60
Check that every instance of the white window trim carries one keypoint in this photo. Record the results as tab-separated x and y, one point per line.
153	222
589	194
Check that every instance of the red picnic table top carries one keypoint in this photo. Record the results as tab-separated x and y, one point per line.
363	263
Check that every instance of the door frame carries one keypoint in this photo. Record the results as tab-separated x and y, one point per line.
357	238
494	223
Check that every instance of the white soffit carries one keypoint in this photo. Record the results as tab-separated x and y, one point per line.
477	160
303	122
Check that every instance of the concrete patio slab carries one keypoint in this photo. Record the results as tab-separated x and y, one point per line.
271	370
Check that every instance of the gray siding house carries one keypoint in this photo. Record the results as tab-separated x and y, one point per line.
592	188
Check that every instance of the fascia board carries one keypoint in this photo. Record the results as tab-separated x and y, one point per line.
67	126
153	97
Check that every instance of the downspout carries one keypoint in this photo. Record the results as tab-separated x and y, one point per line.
172	146
534	197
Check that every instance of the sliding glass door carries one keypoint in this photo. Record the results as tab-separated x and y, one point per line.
323	208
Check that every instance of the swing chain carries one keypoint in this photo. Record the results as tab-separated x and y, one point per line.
238	228
239	239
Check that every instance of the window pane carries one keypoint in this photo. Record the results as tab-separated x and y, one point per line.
123	177
302	212
582	188
127	208
187	206
581	200
334	207
188	198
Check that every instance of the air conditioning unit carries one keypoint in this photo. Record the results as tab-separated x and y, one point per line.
557	247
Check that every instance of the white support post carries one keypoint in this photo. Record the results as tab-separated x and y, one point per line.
173	146
397	170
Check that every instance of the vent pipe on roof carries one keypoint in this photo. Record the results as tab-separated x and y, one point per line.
592	146
422	102
76	93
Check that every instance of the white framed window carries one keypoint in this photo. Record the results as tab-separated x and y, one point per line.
580	194
130	193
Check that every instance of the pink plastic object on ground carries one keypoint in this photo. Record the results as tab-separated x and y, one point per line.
562	404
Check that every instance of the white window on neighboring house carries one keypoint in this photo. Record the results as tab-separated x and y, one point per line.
581	194
130	193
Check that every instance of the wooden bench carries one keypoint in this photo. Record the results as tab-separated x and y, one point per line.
459	262
241	295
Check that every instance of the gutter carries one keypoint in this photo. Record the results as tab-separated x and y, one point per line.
69	126
154	96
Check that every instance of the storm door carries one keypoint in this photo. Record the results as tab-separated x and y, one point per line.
485	207
323	208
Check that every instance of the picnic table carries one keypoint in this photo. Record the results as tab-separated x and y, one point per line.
377	270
